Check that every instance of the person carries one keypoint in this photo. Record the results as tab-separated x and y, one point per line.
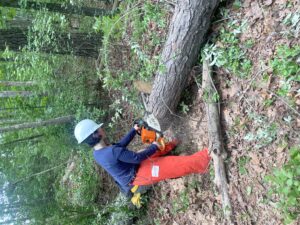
134	170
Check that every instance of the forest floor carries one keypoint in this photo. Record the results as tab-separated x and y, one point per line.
194	199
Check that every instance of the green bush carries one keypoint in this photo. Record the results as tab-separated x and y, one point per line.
79	185
286	186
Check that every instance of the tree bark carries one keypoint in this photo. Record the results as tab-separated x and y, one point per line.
187	31
37	174
9	122
11	94
55	7
17	83
80	44
56	121
215	140
30	138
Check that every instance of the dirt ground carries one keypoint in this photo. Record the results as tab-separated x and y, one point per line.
194	200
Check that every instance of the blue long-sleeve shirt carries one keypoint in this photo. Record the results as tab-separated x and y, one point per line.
122	163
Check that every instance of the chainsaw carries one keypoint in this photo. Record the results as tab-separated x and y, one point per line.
149	134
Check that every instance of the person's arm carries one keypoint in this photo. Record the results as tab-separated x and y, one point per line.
128	156
127	138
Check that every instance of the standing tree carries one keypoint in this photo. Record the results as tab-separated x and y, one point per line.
25	139
59	120
80	44
17	83
10	94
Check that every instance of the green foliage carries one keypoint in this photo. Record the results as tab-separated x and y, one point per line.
268	102
69	85
181	203
6	14
242	163
237	4
130	40
80	184
213	97
284	64
228	52
286	185
265	133
118	212
184	108
45	30
292	22
132	25
64	85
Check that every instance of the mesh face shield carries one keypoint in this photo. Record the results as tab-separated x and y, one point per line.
93	139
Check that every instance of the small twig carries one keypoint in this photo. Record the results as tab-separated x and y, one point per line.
246	100
197	83
284	101
251	81
221	20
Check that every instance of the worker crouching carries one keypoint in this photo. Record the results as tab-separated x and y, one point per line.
132	170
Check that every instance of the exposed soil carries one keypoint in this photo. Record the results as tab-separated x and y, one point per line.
193	199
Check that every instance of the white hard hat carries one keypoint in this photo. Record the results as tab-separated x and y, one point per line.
85	128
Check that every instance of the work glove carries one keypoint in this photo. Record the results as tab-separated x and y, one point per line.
136	198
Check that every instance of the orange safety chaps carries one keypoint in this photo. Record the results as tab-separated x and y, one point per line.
159	167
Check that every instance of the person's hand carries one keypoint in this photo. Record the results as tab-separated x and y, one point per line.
156	143
136	127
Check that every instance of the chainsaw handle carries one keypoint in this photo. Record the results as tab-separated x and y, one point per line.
162	143
139	132
140	123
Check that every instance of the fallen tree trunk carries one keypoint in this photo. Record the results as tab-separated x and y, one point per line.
215	141
189	25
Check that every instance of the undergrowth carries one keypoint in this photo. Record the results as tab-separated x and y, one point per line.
285	66
286	186
227	52
131	45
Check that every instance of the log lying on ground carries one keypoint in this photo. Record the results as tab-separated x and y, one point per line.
215	140
188	27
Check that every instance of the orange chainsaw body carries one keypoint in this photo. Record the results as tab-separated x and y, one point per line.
148	136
